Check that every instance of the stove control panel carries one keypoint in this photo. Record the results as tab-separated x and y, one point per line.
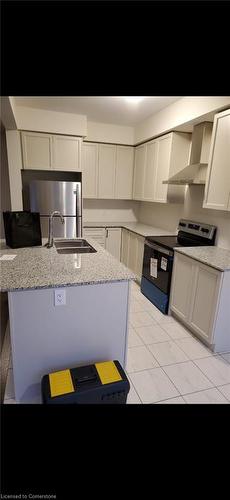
197	228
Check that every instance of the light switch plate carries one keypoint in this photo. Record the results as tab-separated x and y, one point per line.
59	297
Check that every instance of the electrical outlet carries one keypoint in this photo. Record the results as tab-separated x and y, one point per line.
59	297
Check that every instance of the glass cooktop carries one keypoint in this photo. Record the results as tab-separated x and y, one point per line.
165	241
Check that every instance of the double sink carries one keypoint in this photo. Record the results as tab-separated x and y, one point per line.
66	246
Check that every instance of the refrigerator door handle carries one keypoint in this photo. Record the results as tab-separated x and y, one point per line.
79	227
77	192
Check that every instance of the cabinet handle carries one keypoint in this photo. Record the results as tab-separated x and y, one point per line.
106	233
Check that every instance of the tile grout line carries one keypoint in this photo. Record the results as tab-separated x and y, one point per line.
134	389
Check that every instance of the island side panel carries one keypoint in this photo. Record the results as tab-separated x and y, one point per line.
91	327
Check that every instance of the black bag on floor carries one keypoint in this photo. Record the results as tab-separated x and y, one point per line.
22	229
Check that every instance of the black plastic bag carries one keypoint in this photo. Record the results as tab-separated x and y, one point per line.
22	229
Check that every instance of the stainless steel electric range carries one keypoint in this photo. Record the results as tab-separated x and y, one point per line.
158	258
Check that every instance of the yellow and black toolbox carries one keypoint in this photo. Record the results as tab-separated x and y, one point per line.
101	383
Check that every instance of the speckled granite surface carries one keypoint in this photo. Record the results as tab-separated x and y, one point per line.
216	257
40	267
136	227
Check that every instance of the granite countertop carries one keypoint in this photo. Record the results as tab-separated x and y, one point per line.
213	256
137	227
40	267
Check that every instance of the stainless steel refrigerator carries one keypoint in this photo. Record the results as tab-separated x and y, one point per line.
64	196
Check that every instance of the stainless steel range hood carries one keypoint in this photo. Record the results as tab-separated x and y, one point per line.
195	172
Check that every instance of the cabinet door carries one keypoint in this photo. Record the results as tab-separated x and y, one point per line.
113	241
140	254
106	171
204	300
132	257
89	170
150	170
66	153
125	237
217	189
138	182
124	172
162	168
182	285
37	150
96	233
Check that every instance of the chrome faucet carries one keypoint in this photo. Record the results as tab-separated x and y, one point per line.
50	242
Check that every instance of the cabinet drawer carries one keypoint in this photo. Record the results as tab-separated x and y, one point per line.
95	231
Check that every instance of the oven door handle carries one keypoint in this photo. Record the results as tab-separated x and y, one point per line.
159	249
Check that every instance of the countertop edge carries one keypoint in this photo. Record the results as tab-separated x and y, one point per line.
68	285
210	264
126	225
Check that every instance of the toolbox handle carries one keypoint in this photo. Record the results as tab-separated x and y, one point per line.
86	378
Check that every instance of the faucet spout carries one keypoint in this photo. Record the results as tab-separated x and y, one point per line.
56	213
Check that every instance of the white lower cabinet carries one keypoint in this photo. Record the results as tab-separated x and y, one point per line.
108	237
132	251
113	241
198	295
125	246
140	254
96	233
181	289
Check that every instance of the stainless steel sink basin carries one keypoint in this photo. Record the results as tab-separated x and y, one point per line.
73	246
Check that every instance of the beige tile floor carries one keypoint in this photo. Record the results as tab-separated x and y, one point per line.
166	364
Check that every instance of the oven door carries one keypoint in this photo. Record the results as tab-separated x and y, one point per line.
157	266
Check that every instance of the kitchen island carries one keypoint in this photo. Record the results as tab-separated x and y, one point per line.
64	311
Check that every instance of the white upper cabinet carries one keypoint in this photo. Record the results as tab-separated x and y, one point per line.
106	170
139	170
46	151
66	153
36	150
155	162
89	169
150	170
124	173
217	188
162	168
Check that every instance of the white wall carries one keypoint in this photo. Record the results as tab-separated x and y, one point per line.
14	155
106	132
182	111
167	216
42	120
7	113
5	183
110	210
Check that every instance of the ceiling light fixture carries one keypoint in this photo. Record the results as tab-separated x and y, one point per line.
134	100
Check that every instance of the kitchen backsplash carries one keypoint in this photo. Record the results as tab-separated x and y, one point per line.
167	215
110	210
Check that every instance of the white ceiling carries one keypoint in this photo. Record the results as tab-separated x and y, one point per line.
101	109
